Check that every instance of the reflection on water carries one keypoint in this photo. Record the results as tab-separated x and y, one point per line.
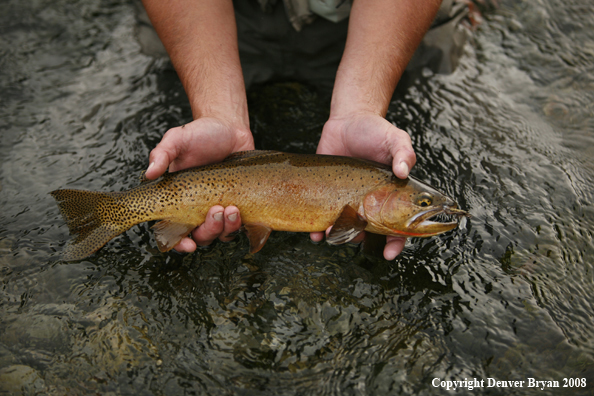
509	135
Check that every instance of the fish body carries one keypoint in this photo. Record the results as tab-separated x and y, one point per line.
273	191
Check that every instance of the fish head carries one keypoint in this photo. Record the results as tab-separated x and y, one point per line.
410	208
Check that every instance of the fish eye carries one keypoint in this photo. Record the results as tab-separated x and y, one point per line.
424	199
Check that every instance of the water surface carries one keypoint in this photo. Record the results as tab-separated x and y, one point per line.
509	135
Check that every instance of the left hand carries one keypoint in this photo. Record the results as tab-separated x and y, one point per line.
203	141
369	136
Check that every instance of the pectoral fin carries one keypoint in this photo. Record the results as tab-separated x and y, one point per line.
168	233
348	225
258	235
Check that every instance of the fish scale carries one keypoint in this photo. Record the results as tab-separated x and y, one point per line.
273	191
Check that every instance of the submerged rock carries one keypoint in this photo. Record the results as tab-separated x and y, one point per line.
19	378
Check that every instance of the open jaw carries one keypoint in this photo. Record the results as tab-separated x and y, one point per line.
436	220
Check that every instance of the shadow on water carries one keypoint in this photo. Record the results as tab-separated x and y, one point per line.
507	296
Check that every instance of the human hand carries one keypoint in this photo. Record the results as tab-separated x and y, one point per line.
369	136
203	141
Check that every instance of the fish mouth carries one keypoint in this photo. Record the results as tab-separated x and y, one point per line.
437	220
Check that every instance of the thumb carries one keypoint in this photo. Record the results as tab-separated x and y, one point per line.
404	157
160	158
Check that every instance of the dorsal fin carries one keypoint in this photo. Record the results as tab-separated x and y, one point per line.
241	155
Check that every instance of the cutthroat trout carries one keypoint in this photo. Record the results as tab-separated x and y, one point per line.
273	191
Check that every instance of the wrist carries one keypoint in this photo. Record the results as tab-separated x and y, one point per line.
223	134
233	111
358	90
201	40
344	110
216	89
381	39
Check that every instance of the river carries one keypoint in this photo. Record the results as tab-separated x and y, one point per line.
506	297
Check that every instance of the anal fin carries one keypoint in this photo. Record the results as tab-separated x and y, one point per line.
348	225
257	234
168	233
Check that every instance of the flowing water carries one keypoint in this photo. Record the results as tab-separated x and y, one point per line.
509	135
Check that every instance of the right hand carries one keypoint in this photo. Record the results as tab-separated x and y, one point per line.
367	135
203	141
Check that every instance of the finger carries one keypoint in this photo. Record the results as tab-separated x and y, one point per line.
158	164
404	160
403	155
186	245
232	223
162	156
393	247
212	227
317	236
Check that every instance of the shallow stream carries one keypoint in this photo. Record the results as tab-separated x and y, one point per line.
509	296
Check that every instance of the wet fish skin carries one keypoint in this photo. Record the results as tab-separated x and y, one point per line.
273	191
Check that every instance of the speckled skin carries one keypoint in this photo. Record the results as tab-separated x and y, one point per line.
286	192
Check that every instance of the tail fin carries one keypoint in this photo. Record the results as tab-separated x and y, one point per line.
91	217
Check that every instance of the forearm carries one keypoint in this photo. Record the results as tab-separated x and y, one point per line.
201	39
382	37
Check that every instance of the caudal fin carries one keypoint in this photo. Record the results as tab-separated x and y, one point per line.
92	219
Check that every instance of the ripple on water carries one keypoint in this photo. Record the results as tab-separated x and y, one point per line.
509	135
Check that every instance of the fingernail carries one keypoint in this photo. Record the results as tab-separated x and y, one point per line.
150	166
232	217
218	216
403	168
